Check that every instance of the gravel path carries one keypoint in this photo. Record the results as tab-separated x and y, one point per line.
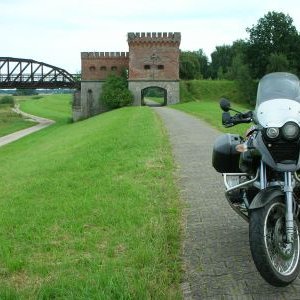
216	250
21	133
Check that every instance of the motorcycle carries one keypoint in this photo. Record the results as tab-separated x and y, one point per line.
260	173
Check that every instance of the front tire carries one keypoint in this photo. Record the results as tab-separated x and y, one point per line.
276	261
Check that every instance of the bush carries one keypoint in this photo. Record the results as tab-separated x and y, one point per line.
7	100
186	91
115	92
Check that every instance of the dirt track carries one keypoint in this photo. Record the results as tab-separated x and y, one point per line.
216	249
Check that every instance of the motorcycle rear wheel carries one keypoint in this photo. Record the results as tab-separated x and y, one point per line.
276	260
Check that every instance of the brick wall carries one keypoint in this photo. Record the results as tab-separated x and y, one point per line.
98	65
154	56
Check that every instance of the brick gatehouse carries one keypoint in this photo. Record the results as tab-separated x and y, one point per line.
152	61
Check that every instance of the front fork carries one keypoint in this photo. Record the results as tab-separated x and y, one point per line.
288	190
289	215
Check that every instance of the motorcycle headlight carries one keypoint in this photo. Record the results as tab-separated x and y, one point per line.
272	132
290	131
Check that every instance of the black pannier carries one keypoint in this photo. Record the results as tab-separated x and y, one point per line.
225	158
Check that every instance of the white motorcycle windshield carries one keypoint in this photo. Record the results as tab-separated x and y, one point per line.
278	100
276	112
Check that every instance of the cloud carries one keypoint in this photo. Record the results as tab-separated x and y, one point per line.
57	31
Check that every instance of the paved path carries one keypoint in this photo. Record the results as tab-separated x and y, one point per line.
216	250
19	134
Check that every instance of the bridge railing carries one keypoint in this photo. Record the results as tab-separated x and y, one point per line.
36	78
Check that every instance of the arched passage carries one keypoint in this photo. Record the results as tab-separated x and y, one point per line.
154	96
171	90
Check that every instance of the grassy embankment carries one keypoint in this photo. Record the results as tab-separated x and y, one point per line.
11	122
89	210
201	99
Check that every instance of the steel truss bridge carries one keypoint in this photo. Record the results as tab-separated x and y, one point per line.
30	74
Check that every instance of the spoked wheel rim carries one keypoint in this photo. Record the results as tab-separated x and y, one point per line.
283	256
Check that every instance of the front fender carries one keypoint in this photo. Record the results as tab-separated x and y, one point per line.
265	196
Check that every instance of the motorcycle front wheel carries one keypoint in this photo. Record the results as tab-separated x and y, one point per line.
276	260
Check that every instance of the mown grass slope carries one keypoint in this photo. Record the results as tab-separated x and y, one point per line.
201	99
56	107
11	122
212	90
89	210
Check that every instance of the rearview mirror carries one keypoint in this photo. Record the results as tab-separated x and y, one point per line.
225	104
226	118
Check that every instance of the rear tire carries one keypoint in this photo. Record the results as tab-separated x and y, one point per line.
276	261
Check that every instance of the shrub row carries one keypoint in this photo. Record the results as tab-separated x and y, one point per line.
7	100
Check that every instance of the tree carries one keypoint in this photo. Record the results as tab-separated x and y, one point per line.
221	60
115	92
245	84
278	63
239	58
189	67
240	47
203	63
274	33
193	65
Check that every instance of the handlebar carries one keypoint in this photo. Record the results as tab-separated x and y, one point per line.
239	118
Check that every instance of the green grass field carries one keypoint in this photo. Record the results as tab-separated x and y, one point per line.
89	210
210	112
11	122
208	90
55	107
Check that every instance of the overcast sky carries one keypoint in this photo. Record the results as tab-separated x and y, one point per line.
56	31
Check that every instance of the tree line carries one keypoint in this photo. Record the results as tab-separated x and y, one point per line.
273	45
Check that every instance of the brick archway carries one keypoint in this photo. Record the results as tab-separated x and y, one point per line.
161	90
171	88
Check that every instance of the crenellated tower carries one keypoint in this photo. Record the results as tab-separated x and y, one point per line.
153	56
152	61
